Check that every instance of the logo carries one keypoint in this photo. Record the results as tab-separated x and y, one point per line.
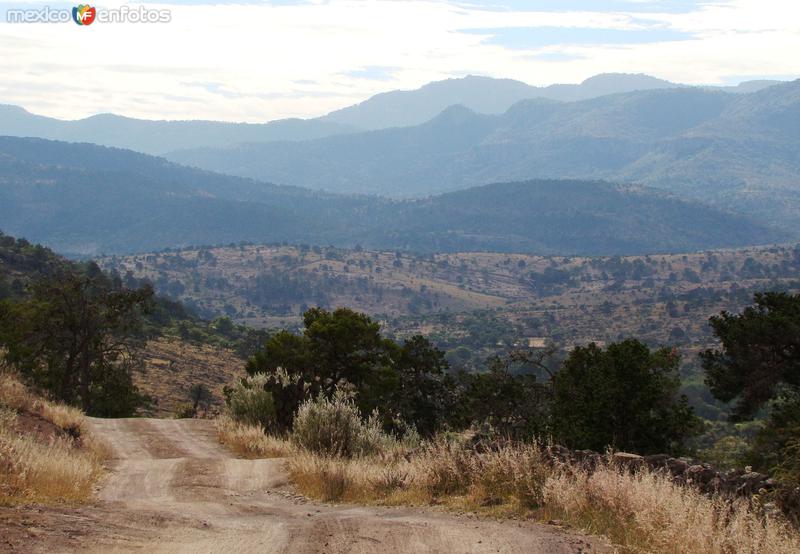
84	14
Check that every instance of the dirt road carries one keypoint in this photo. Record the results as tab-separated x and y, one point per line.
173	488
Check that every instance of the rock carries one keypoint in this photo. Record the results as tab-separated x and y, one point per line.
625	459
700	474
677	466
657	460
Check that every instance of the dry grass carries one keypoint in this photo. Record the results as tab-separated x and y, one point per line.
505	482
55	471
13	394
640	512
251	441
61	467
68	418
643	512
646	512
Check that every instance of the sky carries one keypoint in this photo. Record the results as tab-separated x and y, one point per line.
257	61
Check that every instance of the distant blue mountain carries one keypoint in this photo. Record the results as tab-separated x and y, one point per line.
86	199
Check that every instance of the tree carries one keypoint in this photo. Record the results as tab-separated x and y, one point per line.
759	354
199	396
346	345
513	405
624	397
758	364
71	337
420	394
345	348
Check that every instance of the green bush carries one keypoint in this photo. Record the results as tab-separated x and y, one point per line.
250	403
334	427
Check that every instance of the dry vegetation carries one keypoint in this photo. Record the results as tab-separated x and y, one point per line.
638	512
645	512
601	299
250	441
172	366
47	454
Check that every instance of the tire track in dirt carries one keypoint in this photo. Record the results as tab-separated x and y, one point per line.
173	488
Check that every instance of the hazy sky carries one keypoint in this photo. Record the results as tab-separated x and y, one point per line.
262	60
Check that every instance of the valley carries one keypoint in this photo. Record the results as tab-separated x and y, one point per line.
469	314
566	300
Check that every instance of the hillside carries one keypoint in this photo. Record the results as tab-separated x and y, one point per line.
474	300
177	349
85	200
735	151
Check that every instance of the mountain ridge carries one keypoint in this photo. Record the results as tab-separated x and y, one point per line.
404	108
86	199
736	152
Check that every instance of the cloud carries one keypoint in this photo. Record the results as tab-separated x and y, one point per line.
256	61
528	38
372	73
557	56
629	6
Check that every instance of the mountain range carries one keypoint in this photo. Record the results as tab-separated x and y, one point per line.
391	109
493	96
85	199
737	152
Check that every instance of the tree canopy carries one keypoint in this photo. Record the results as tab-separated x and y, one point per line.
757	366
759	352
344	348
625	397
71	337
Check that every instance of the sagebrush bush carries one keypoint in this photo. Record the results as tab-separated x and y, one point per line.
334	427
250	403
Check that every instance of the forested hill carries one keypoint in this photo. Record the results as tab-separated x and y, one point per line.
85	199
734	151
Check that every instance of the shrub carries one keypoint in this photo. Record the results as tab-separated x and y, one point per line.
185	411
333	427
249	403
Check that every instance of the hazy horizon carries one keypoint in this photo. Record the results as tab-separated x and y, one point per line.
262	61
321	114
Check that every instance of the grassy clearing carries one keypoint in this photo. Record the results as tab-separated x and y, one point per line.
51	468
640	512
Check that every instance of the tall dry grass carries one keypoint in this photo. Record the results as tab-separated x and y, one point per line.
33	469
646	512
637	512
641	512
507	481
251	440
